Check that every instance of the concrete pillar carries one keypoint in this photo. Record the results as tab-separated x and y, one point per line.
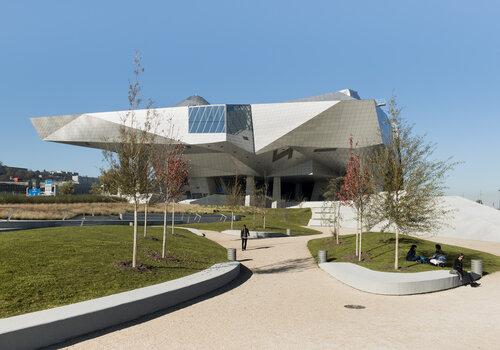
250	186
476	267
322	257
231	254
298	191
318	189
276	188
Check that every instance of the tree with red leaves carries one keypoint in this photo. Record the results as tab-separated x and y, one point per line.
356	190
171	170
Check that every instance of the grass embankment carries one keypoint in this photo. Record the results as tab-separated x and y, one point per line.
277	220
44	268
378	252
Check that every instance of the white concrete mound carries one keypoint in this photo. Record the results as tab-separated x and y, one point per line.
469	220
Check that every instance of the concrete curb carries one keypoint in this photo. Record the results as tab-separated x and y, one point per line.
47	327
391	283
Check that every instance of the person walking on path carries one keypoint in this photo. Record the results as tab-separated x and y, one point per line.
244	237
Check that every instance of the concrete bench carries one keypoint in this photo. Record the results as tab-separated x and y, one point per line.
47	327
391	283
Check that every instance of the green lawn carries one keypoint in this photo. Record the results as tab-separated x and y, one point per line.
44	268
277	220
378	249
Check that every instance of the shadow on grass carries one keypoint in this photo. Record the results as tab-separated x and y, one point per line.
243	276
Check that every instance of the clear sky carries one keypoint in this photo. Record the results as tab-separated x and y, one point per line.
441	59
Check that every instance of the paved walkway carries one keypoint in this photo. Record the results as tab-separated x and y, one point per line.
289	303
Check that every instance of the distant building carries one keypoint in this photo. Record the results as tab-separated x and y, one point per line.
13	187
84	183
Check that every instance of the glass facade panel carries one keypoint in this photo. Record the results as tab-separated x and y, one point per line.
385	126
239	119
207	119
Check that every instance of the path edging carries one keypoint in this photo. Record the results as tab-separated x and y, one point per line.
51	326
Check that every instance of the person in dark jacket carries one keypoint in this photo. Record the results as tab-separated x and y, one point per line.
244	237
439	257
412	255
465	276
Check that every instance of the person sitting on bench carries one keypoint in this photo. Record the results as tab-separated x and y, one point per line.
465	276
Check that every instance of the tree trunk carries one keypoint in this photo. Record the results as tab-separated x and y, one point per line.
396	255
164	244
264	222
145	219
134	249
360	238
357	236
173	217
232	217
337	224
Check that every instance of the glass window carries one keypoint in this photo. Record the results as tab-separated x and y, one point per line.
239	119
385	126
207	119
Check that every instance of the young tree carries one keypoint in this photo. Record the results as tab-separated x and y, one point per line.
172	170
411	181
261	200
66	188
130	157
235	196
333	205
107	181
356	191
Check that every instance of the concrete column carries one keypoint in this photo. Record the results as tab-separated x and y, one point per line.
276	188
476	267
322	257
250	186
298	191
231	254
318	189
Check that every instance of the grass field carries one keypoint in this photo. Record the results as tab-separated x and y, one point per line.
277	220
378	252
45	268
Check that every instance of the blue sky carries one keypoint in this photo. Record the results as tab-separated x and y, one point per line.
441	58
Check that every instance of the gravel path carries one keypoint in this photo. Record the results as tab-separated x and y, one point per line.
288	303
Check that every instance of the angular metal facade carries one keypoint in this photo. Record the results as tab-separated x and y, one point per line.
301	142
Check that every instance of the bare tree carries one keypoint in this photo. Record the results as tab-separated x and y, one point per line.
235	197
411	181
261	200
333	205
356	191
130	157
171	169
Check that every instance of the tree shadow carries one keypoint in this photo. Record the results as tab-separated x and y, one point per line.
244	275
285	266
